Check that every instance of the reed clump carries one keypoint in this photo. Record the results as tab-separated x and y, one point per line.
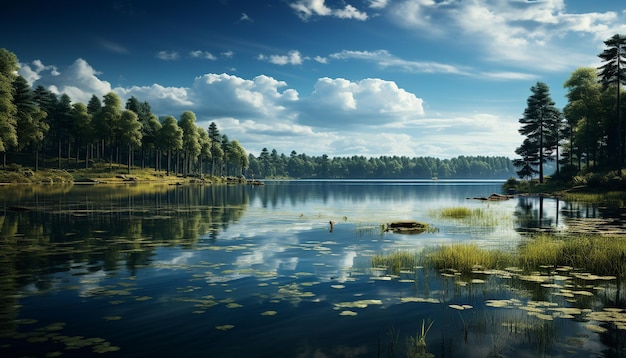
593	253
465	258
396	261
457	212
477	217
540	250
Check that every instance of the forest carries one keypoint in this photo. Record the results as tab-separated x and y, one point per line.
41	129
588	134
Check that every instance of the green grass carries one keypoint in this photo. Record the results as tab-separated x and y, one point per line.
396	261
467	257
457	212
593	253
476	217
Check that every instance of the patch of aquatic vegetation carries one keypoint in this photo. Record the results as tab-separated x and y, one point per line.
225	327
357	304
478	217
396	261
467	258
610	198
600	254
416	345
56	343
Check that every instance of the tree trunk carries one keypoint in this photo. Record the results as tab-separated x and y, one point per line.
59	154
130	151
169	155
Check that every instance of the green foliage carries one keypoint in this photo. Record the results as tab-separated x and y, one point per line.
271	164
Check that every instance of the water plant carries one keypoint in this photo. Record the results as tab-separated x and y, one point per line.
396	261
416	346
467	258
477	217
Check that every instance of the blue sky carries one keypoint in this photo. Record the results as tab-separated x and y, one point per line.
438	78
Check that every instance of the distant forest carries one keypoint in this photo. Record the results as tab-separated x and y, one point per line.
273	165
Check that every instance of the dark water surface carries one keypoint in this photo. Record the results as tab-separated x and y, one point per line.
241	271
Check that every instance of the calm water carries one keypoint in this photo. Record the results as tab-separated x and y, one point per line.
240	271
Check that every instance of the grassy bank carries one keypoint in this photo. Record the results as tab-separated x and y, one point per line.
102	173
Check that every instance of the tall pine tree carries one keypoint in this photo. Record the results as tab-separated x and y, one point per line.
539	123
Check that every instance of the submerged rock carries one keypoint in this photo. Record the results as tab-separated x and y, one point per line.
495	197
406	227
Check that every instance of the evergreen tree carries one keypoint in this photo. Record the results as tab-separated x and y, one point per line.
538	125
613	73
217	153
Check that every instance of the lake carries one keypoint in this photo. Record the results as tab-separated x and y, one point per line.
258	271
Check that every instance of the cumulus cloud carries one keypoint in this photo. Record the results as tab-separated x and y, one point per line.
340	103
292	58
309	8
522	33
79	80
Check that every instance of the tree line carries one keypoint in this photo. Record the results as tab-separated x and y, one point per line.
37	122
272	164
588	134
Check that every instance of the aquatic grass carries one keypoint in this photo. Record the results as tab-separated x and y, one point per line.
396	261
457	212
476	217
416	346
466	258
594	253
611	198
540	250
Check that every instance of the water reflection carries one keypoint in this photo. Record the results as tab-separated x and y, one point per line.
234	271
549	214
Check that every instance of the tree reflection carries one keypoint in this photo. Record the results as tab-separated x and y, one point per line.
50	229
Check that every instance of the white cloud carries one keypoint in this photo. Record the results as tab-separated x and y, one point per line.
167	55
320	59
519	33
202	54
378	4
384	59
79	81
228	54
245	17
309	8
341	104
292	58
31	72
